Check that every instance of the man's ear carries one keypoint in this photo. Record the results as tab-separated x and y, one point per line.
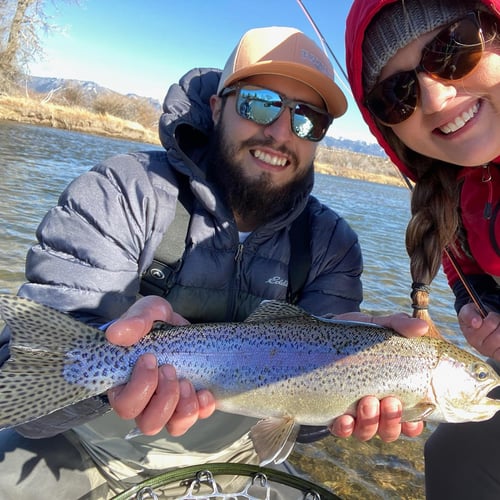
216	107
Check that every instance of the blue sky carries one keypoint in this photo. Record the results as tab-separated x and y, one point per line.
144	46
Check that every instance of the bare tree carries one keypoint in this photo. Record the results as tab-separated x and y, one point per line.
16	31
22	22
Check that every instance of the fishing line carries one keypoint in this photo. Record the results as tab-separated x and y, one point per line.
470	290
324	43
467	285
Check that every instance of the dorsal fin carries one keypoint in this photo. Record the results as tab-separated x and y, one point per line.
276	309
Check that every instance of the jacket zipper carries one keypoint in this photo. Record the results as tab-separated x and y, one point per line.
237	259
239	254
486	178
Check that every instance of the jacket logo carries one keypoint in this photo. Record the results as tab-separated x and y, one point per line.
157	274
277	280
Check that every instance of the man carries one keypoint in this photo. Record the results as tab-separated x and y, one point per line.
240	146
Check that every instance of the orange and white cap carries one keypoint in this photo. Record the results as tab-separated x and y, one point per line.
284	51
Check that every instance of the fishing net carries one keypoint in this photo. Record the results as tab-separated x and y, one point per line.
200	482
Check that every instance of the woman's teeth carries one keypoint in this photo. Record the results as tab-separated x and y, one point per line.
460	121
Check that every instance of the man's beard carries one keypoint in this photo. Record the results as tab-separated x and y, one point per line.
258	200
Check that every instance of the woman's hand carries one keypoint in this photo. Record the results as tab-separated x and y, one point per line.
482	333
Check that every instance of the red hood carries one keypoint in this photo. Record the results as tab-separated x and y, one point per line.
360	15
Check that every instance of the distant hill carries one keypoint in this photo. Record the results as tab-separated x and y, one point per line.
46	85
364	147
89	91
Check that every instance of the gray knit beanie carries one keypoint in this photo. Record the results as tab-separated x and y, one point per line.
398	24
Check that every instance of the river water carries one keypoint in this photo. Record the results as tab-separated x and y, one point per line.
37	163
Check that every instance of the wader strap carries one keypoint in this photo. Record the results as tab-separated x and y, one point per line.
300	257
159	277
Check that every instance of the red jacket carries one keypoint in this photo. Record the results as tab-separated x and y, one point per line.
483	230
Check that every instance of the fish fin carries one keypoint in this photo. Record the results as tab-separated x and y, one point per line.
275	309
274	438
418	412
37	327
32	382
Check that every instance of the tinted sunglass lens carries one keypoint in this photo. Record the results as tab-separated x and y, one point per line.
308	123
454	52
259	105
394	99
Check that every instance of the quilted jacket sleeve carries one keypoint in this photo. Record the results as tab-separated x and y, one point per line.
94	244
91	250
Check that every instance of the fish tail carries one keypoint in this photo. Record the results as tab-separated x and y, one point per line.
32	380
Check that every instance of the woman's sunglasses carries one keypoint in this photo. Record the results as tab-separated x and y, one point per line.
264	106
451	55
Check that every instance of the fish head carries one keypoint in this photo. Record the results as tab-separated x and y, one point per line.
460	387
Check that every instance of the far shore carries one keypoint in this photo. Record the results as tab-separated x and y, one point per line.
34	112
360	175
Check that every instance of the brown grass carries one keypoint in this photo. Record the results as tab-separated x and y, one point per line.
387	177
75	118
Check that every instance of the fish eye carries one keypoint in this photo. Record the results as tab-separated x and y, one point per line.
480	371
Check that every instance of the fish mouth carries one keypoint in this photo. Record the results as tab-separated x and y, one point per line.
494	394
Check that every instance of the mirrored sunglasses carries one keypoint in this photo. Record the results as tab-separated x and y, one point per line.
451	55
265	106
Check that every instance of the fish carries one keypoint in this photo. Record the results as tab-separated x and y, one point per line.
281	365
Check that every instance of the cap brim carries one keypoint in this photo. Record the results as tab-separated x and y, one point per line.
335	100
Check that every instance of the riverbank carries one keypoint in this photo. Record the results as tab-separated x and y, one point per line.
390	176
339	163
34	112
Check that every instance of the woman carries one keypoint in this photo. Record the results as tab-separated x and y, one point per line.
426	77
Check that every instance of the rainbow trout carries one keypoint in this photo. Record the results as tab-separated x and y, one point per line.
281	365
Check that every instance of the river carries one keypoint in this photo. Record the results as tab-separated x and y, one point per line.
37	163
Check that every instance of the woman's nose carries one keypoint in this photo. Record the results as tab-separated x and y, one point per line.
435	93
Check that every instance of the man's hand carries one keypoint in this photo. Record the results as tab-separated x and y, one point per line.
154	396
482	333
380	417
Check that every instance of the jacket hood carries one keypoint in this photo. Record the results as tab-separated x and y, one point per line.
187	103
361	14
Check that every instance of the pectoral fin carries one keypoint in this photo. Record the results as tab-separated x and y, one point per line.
274	438
418	412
